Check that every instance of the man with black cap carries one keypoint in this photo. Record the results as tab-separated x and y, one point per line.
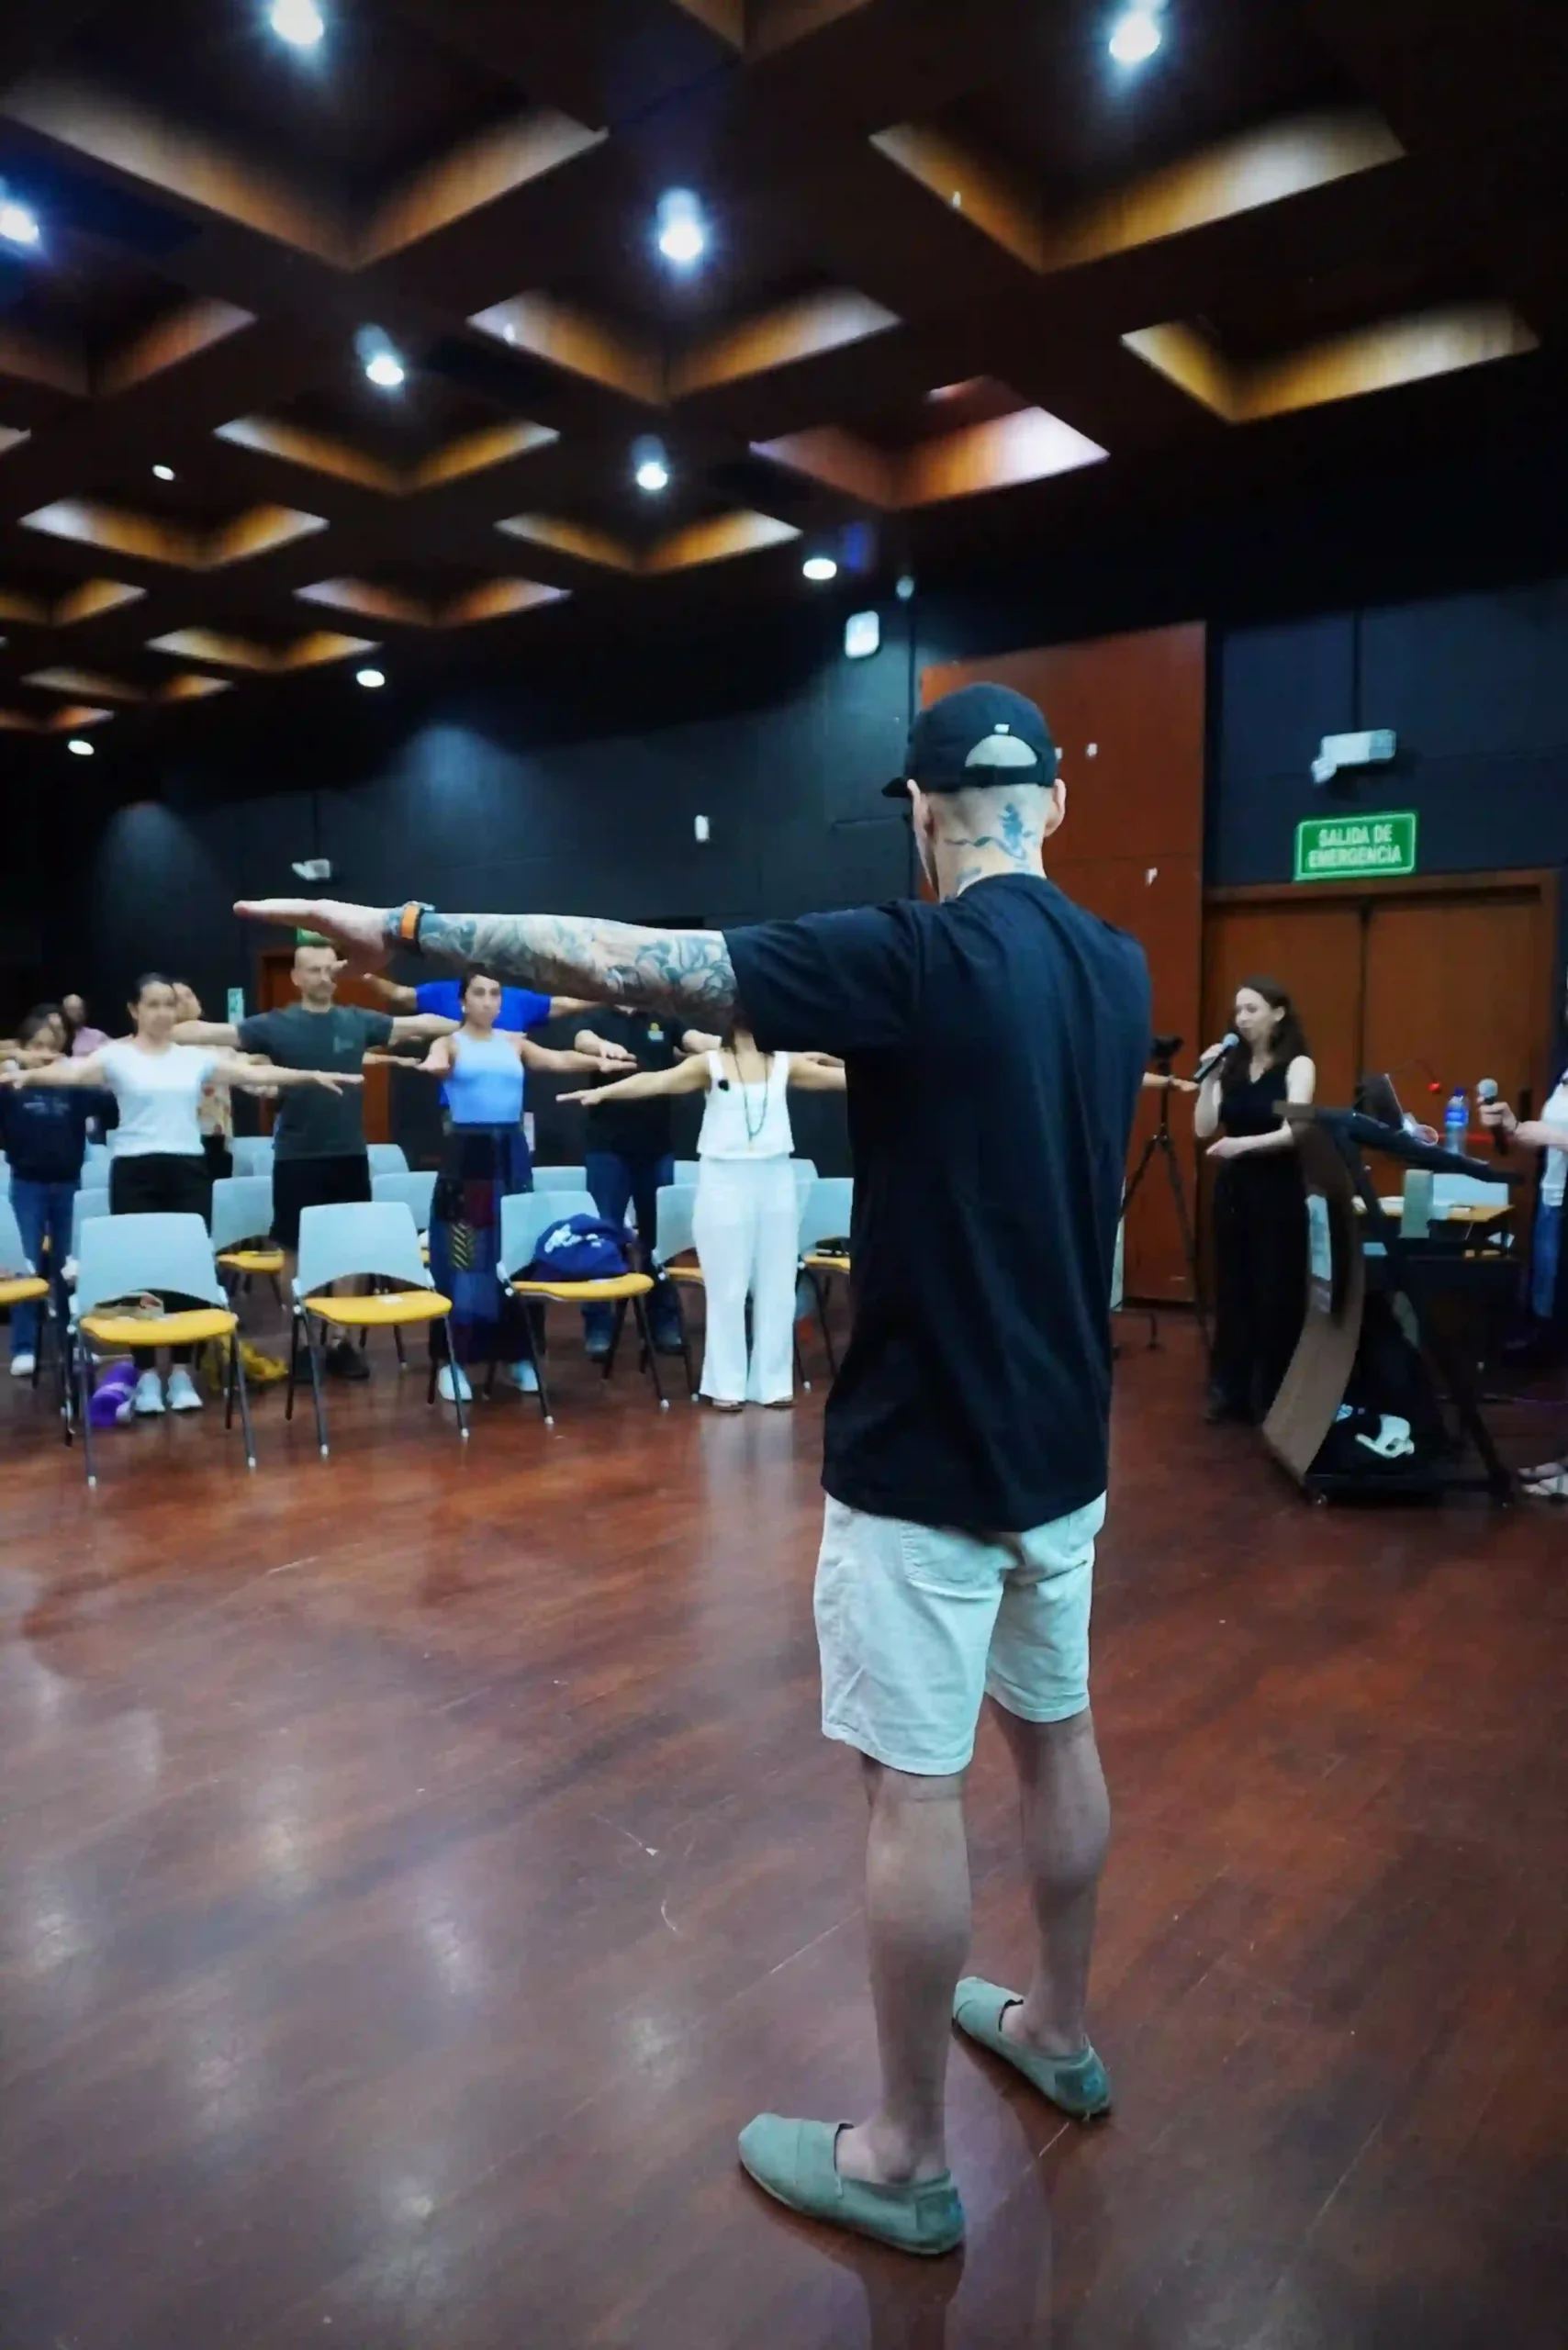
995	1041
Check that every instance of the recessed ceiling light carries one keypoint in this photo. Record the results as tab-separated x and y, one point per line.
371	677
382	365
682	231
83	748
820	567
162	473
650	466
1135	35
18	222
299	22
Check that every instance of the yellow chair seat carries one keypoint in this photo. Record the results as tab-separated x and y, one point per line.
192	1329
381	1312
252	1260
684	1273
619	1285
817	1263
21	1289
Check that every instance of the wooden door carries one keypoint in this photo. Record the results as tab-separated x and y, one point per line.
275	992
1450	990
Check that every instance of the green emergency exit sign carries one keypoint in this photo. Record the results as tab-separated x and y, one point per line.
1355	849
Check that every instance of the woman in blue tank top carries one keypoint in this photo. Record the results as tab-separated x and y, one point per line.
485	1156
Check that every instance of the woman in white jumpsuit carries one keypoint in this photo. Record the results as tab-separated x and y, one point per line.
746	1219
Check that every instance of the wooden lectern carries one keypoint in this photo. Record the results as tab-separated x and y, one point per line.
1348	1250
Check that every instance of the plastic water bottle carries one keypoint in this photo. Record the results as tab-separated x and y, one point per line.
1456	1121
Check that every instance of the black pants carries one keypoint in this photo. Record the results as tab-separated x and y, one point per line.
161	1184
1260	1231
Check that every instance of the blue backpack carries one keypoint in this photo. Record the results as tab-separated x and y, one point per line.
580	1248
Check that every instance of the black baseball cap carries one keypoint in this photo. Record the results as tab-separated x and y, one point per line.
973	736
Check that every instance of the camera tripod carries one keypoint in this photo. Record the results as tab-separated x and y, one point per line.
1163	1144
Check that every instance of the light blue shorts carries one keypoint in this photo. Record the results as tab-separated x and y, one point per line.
917	1624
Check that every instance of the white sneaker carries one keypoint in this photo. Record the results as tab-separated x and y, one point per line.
183	1394
449	1388
524	1376
148	1400
23	1366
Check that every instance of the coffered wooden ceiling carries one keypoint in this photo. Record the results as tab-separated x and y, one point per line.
965	273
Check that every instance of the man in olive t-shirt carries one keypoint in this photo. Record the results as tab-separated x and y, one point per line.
319	1162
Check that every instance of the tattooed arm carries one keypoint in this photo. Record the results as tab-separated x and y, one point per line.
686	973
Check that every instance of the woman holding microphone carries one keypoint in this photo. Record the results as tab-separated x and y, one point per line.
1259	1209
745	1218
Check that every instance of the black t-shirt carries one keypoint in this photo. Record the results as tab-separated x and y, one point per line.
312	1122
995	1045
639	1129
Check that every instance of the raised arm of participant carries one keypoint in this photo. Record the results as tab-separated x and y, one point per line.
396	997
701	1041
218	1035
1206	1109
88	1071
685	972
1301	1084
686	1077
421	1027
818	1073
263	1077
591	1055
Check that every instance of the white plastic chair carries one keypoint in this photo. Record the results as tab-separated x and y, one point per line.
95	1162
345	1242
123	1256
242	1230
388	1158
526	1216
415	1190
561	1179
687	1170
253	1154
84	1207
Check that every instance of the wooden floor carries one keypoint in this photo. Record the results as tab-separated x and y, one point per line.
414	1867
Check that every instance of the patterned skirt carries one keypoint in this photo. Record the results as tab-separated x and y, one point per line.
479	1165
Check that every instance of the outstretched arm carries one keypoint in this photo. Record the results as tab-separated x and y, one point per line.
222	1035
813	1074
591	1055
263	1077
685	972
88	1071
686	1077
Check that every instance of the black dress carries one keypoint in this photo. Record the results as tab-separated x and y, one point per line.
1260	1228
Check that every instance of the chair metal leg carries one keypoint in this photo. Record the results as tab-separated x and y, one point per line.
680	1325
316	1387
799	1359
644	1330
536	1357
236	1379
292	1365
84	1389
446	1327
615	1329
228	1380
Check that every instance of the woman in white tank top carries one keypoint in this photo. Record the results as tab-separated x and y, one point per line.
746	1219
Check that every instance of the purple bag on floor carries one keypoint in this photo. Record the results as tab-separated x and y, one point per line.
114	1390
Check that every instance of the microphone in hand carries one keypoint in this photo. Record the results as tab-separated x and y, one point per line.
1486	1095
1215	1054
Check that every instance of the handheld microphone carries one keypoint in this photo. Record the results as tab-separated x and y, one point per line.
1211	1061
1488	1091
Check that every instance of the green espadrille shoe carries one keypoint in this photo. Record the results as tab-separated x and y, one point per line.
1078	2084
793	2162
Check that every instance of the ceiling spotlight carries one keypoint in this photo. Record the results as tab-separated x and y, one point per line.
382	365
299	22
650	466
820	567
682	231
78	743
370	678
1135	35
18	221
162	473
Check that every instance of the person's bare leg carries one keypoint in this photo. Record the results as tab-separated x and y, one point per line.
1066	1815
917	1911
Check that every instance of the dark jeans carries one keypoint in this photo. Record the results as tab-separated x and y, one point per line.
161	1184
616	1180
40	1209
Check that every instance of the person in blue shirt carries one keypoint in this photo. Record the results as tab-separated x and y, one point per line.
43	1132
522	1007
